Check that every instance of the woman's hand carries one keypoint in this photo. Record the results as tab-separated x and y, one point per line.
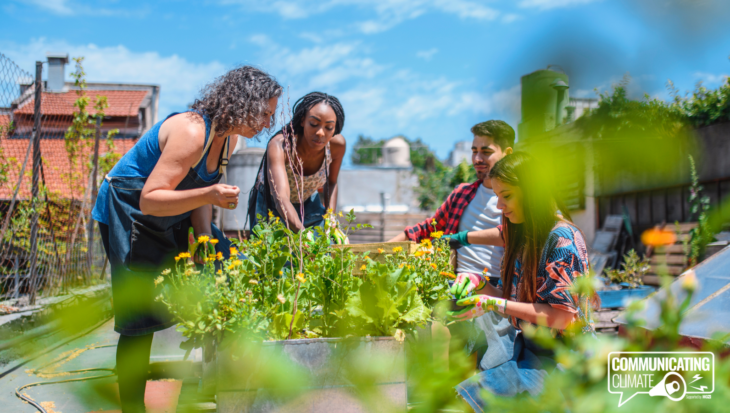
478	305
224	196
465	283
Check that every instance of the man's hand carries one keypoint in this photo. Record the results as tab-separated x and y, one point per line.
465	283
457	240
224	196
478	305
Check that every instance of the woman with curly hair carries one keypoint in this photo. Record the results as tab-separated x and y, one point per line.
165	184
300	159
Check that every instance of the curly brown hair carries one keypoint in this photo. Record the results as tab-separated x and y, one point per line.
240	96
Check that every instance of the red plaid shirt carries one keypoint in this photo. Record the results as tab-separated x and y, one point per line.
448	215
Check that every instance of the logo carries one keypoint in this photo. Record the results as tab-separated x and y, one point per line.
670	374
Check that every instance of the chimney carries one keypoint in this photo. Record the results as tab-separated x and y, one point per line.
56	71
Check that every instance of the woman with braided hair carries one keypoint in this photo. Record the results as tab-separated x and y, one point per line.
303	157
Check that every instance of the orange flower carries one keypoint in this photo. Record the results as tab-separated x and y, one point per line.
380	250
434	266
448	275
418	253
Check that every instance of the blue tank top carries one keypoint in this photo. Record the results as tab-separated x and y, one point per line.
141	160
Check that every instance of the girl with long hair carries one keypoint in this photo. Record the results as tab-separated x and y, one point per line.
544	254
302	158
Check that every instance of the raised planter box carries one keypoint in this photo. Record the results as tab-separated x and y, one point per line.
323	373
621	298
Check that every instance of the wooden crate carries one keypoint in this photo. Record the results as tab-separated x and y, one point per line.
409	247
671	259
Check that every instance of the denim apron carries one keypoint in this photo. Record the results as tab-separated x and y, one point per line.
141	246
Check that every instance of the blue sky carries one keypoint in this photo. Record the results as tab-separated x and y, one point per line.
422	68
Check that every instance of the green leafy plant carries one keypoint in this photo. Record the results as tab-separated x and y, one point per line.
632	270
300	285
699	207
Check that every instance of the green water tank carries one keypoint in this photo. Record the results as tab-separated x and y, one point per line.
544	98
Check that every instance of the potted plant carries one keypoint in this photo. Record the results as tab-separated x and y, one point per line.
294	302
626	284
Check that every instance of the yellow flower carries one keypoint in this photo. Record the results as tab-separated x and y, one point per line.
397	249
301	278
234	251
434	266
437	234
340	213
329	211
439	249
252	281
219	272
380	250
281	298
271	214
401	265
418	253
203	238
237	263
214	241
219	255
177	258
184	255
448	275
281	272
363	268
426	243
428	258
433	222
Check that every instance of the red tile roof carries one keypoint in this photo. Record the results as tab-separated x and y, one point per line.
55	166
121	102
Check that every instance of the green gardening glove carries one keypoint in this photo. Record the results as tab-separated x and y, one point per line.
478	305
457	240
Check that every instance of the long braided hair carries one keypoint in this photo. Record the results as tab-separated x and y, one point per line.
308	101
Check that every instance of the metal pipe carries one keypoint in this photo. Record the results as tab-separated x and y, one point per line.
36	175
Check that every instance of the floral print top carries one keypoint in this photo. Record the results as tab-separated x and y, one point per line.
308	184
564	258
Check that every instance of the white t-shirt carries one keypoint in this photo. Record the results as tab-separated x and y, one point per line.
481	213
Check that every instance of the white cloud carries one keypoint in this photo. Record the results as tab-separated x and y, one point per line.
73	8
389	12
511	17
711	79
427	54
180	80
60	7
552	4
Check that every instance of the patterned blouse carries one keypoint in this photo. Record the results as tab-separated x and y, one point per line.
307	184
564	258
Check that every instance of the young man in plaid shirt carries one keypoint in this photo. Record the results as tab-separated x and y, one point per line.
472	207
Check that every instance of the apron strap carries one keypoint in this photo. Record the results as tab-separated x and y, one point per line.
223	164
207	145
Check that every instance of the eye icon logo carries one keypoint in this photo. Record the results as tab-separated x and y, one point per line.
675	375
672	386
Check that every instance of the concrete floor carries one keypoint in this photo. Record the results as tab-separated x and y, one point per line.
94	395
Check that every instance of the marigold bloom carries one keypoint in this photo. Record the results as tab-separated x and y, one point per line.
219	256
363	268
214	241
448	275
301	278
397	249
203	238
380	250
434	266
234	251
418	254
437	234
